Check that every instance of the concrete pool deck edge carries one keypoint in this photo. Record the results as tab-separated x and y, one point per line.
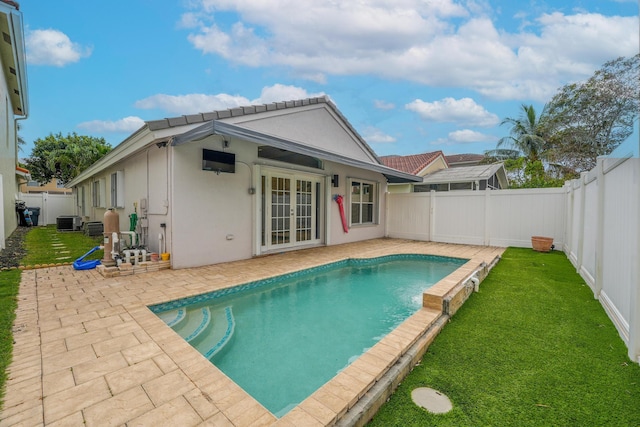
88	350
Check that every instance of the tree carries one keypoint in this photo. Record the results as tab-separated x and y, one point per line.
592	118
64	157
526	136
525	151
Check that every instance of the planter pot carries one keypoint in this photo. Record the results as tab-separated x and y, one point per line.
542	244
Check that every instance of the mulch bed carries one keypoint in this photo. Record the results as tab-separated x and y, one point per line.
15	251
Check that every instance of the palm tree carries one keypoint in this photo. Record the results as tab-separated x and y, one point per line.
527	134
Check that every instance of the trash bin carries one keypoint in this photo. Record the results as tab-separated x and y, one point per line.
35	214
20	208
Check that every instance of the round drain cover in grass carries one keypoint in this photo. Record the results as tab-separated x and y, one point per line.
431	400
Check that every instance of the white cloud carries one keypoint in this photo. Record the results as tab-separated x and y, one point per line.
376	136
383	105
463	112
53	47
280	92
191	103
128	125
198	102
440	43
469	136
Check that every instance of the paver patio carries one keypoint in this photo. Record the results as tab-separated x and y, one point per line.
88	350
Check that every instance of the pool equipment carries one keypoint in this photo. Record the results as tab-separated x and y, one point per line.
111	230
81	264
340	201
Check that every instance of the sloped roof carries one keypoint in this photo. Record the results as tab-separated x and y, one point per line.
463	158
238	122
413	163
467	174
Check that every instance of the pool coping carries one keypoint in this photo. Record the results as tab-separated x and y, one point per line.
88	350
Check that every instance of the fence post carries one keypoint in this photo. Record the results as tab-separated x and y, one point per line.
599	227
432	214
487	213
568	218
580	249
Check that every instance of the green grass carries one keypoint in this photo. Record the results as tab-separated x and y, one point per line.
532	348
40	250
9	283
42	244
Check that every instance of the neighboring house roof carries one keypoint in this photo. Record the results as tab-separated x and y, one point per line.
259	124
23	172
468	174
413	163
13	56
460	159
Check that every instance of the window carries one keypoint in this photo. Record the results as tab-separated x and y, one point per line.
273	153
98	193
117	189
83	206
33	184
363	202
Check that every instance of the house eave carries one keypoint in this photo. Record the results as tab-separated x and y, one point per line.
218	127
12	51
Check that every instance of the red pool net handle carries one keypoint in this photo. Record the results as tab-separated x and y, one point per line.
340	200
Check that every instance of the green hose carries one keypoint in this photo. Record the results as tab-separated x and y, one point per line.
133	221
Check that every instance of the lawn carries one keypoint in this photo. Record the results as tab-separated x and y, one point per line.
44	245
532	348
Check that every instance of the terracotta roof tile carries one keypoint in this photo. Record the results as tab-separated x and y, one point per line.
413	163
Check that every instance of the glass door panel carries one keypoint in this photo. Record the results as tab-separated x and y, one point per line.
280	210
290	211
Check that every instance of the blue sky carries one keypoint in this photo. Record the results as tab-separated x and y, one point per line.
411	76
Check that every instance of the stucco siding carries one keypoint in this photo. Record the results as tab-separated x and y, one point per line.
212	213
316	127
7	161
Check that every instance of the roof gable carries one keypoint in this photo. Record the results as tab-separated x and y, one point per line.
317	126
413	163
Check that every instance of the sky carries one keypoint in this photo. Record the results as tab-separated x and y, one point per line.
411	76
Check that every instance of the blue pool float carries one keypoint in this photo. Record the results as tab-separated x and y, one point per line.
80	264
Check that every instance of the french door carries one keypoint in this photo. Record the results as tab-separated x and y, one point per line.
290	210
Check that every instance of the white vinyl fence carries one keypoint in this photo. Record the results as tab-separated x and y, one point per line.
594	220
491	217
603	210
51	205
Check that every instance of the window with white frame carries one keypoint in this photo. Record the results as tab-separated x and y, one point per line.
98	190
117	189
363	202
83	205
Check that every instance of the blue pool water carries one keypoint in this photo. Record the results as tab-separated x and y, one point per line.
281	339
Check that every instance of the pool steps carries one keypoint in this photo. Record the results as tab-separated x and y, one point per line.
205	330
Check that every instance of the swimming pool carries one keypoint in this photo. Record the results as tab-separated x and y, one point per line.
282	338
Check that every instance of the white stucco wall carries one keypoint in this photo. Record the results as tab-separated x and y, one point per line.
214	215
7	161
145	177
